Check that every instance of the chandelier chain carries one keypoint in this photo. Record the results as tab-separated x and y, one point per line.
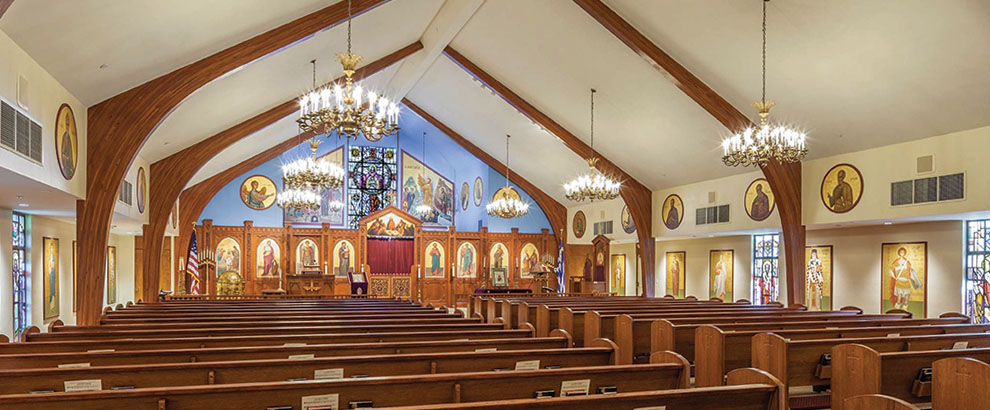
349	18
764	97
507	136
593	122
313	61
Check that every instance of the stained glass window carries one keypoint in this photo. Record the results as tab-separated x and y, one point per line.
371	181
21	276
978	270
766	284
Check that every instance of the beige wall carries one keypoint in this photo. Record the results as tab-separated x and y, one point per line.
598	211
632	274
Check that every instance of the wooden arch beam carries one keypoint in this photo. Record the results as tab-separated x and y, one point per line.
637	196
555	211
119	126
170	175
4	5
784	179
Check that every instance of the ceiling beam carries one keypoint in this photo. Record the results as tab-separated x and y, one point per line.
448	21
4	5
170	175
784	179
638	198
555	211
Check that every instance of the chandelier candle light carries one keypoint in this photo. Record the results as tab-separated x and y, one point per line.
766	142
593	185
508	205
303	179
348	109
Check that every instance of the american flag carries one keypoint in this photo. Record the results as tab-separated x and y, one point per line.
560	269
192	266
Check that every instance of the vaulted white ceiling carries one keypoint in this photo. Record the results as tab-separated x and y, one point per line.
856	74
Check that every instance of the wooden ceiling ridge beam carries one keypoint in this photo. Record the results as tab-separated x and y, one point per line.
118	126
4	5
555	211
170	175
784	179
638	198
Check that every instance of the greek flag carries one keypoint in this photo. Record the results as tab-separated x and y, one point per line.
560	270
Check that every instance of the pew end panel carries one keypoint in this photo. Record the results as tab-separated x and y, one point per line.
709	358
523	313
542	320
4	339
55	324
899	312
624	338
563	333
528	326
603	342
960	383
855	371
769	353
565	320
593	325
662	335
852	308
26	334
797	306
668	357
879	402
956	315
748	375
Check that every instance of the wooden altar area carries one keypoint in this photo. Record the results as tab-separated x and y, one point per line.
313	261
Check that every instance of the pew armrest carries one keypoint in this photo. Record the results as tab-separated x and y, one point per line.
877	402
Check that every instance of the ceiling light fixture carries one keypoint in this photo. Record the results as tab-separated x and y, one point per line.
303	180
347	110
594	185
758	146
506	202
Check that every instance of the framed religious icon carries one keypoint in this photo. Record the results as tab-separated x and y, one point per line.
228	256
268	259
904	277
142	189
676	263
467	261
759	201
258	192
672	211
628	225
842	188
818	277
720	266
66	141
343	258
307	257
500	278
111	275
51	293
498	258
465	196
617	274
478	191
529	260
579	225
435	261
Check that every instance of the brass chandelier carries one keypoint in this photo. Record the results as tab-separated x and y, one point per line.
766	142
303	180
506	202
594	185
298	198
347	110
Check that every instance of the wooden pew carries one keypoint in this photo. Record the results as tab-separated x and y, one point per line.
306	367
111	357
749	389
721	351
219	324
417	390
858	369
553	317
235	318
526	309
258	340
877	402
960	383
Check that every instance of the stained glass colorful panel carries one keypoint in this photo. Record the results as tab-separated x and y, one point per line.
766	253
21	276
371	181
978	270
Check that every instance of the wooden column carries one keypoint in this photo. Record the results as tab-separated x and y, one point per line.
638	198
119	126
784	179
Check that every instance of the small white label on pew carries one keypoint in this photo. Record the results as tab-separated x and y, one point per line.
72	365
100	351
329	374
83	385
486	350
323	400
893	335
960	345
302	356
294	345
652	408
528	365
459	340
832	328
575	387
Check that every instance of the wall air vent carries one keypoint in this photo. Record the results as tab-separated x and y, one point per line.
711	215
603	228
928	190
926	164
19	133
125	193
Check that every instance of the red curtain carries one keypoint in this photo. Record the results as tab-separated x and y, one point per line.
390	255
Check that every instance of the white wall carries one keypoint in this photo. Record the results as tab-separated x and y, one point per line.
729	190
45	95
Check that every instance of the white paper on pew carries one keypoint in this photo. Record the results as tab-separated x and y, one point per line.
294	345
832	328
329	374
99	351
323	400
486	350
893	335
652	408
960	345
302	356
528	365
459	340
72	365
575	386
83	385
